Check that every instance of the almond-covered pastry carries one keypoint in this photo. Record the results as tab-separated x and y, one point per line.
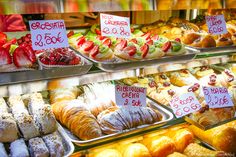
27	126
54	143
75	116
3	106
19	149
38	148
8	128
115	119
35	102
3	152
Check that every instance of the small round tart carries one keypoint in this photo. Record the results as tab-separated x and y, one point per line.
101	53
176	48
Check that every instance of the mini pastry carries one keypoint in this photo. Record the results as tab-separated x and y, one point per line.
199	40
3	106
101	53
210	80
37	148
173	48
18	148
35	103
201	71
108	153
3	152
227	78
176	154
136	150
8	128
54	143
224	40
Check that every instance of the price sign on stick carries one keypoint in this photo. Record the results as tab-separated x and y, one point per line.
130	96
217	97
115	26
47	34
216	24
184	104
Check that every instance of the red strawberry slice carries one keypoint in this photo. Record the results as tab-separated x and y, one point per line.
3	38
30	53
74	61
166	46
94	51
155	37
5	57
99	37
80	40
134	40
132	30
131	50
144	49
98	32
122	44
146	36
70	33
88	45
150	42
9	43
21	59
107	42
178	40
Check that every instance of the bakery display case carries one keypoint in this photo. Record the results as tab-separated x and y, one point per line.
62	100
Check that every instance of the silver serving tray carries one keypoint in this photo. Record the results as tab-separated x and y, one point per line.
119	64
225	49
167	116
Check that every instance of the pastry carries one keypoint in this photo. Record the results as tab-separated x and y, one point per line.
202	71
3	106
195	150
54	143
136	150
115	119
173	48
18	148
199	40
108	153
3	152
77	118
8	128
210	80
62	94
35	103
227	78
17	105
224	40
37	148
176	154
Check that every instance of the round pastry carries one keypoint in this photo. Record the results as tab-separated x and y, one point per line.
176	154
208	41
202	71
108	153
227	78
190	38
136	150
223	41
182	139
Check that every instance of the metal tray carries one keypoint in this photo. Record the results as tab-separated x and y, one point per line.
119	64
167	116
225	49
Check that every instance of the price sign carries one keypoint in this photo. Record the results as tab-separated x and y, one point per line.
184	104
115	26
130	96
216	24
47	34
217	97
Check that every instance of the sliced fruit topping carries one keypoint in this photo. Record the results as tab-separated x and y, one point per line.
5	57
166	46
99	37
122	44
9	43
147	36
3	38
107	42
70	33
80	40
94	51
88	45
74	61
144	49
134	41
131	50
176	46
20	58
98	32
155	37
132	30
30	53
178	40
149	42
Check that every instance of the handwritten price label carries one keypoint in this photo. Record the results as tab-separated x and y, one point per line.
47	34
130	96
217	97
115	26
184	104
216	24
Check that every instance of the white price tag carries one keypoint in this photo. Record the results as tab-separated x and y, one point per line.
216	24
47	34
115	26
217	97
185	104
130	96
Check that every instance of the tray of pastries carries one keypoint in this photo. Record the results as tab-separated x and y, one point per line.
175	141
140	50
29	128
89	114
163	87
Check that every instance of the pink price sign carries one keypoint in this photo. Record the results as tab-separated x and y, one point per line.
115	26
217	97
48	34
130	96
184	104
216	24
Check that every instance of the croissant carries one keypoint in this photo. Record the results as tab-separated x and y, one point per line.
116	119
75	116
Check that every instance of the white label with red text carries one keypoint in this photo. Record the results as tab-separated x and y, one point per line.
48	34
184	104
217	97
130	96
115	26
216	24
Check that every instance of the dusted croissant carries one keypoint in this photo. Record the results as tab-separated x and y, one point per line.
115	119
75	116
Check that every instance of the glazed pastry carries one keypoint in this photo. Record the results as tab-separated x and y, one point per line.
3	152
195	150
176	154
3	106
54	143
136	150
37	148
62	94
27	126
19	149
77	118
108	153
200	72
199	40
115	119
224	40
227	78
8	128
